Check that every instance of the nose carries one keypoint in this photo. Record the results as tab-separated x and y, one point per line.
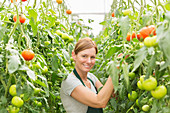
89	60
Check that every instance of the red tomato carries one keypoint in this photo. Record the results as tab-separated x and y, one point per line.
27	54
113	14
128	37
22	18
68	11
147	31
24	0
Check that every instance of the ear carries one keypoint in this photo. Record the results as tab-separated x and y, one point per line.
74	55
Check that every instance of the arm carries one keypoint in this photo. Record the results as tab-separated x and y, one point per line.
89	98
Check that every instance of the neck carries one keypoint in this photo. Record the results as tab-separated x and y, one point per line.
83	75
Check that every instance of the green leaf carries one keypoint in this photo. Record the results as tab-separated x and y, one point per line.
112	51
139	57
54	63
152	64
31	74
13	63
164	41
113	72
103	23
124	26
2	32
66	55
33	21
126	76
154	107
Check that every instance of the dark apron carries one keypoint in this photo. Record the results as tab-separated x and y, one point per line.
90	109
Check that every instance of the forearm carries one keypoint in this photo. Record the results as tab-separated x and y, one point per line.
105	93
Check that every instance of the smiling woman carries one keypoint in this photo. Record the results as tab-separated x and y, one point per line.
79	91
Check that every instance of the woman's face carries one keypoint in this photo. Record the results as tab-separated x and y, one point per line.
85	60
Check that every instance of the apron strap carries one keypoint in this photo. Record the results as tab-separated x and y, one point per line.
78	76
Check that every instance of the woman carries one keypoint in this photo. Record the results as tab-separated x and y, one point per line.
79	90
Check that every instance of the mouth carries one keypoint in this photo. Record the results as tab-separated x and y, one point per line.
87	66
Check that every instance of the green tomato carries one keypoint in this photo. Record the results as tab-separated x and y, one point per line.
149	84
57	22
142	78
132	96
12	90
46	43
127	12
39	104
132	75
71	38
36	91
148	42
13	109
139	84
159	92
17	101
65	36
59	33
45	70
145	107
167	5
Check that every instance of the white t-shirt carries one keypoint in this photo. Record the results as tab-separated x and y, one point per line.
70	104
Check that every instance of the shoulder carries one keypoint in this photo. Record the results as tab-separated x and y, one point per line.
68	84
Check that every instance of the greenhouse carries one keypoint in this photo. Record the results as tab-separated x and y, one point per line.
85	56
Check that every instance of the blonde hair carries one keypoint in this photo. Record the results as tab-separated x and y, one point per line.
85	43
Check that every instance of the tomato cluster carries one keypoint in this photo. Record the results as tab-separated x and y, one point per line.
22	18
147	31
150	84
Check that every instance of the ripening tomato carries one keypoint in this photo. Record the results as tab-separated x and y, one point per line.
68	11
24	0
22	18
150	41
128	36
13	1
27	54
113	14
59	1
147	31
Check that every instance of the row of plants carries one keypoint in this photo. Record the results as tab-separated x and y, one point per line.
133	46
35	48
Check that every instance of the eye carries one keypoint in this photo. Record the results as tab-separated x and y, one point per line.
84	55
93	57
